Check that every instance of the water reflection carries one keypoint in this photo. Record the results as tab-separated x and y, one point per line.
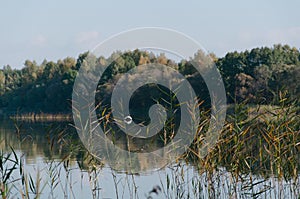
56	141
35	139
54	147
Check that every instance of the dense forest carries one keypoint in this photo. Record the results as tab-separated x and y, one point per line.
258	76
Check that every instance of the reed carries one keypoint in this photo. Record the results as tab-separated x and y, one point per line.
255	143
256	156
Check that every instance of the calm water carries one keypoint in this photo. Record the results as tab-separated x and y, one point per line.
52	154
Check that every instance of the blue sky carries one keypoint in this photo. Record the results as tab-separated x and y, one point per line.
39	29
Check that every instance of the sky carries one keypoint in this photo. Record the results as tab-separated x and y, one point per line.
52	30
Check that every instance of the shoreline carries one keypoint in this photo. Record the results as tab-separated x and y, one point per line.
40	117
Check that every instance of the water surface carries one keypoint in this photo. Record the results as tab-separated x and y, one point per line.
52	154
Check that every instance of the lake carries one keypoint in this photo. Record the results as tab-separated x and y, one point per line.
55	164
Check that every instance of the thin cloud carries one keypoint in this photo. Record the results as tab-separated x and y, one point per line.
87	39
269	37
39	41
289	36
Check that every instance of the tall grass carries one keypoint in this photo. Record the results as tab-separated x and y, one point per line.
256	156
255	144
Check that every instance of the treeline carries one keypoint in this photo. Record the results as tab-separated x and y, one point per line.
260	76
44	88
